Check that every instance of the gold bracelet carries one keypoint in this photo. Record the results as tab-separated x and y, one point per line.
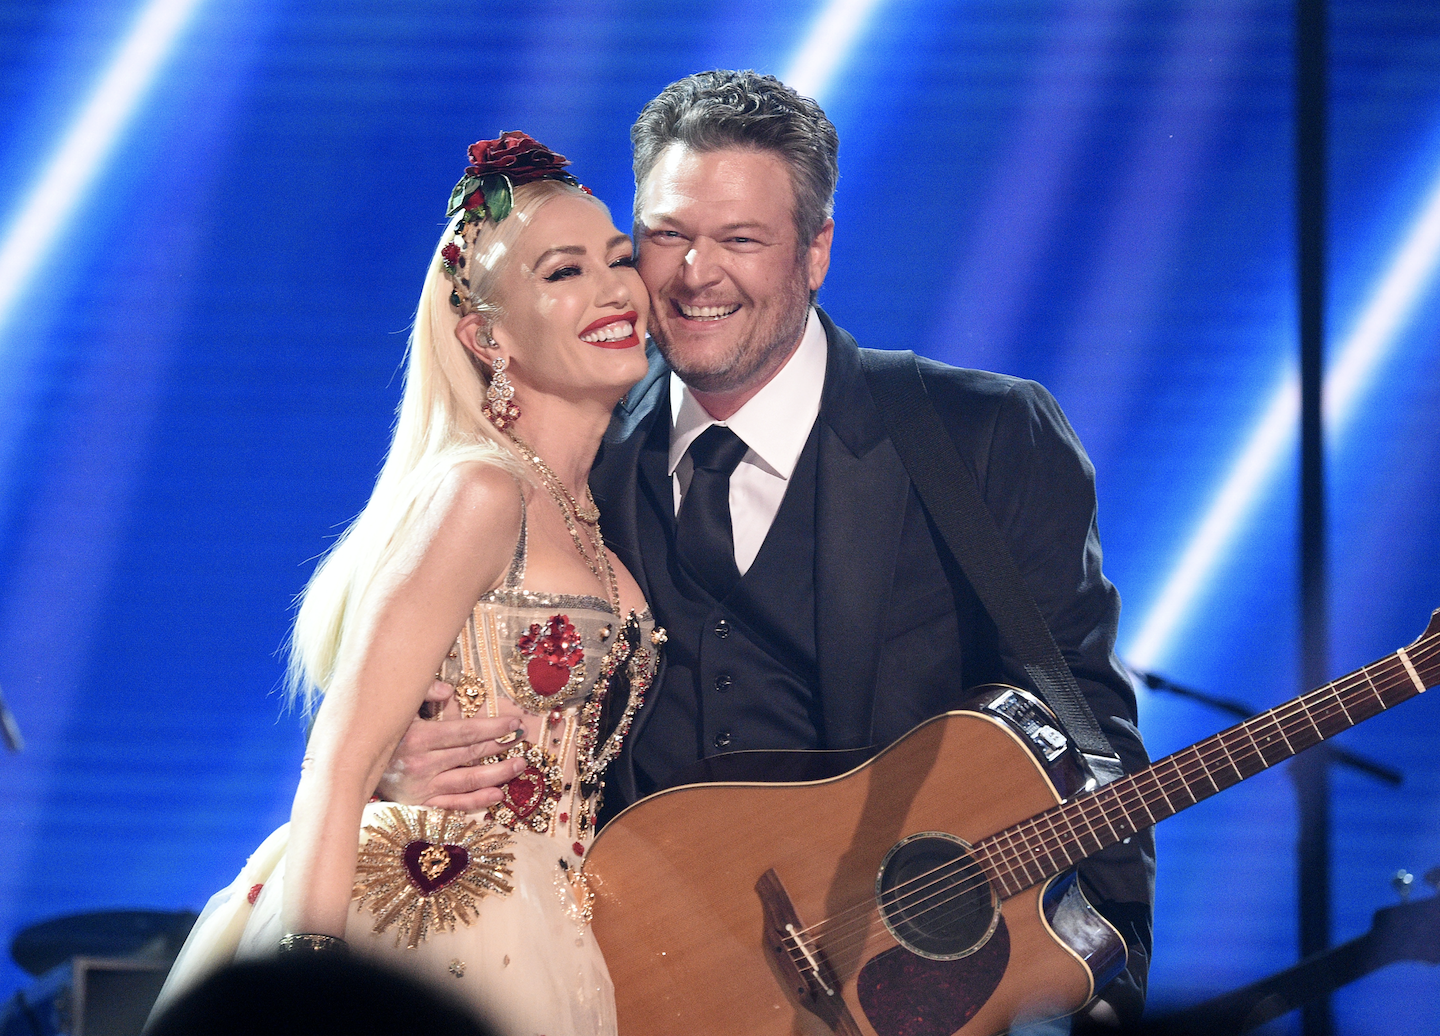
312	942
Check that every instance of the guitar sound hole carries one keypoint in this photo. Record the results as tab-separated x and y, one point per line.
934	898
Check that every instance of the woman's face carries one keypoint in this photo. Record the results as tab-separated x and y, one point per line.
573	306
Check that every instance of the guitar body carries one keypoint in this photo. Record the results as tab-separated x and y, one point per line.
684	927
924	893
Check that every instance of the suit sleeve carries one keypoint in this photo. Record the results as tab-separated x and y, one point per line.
1040	486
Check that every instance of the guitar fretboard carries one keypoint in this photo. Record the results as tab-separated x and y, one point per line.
1032	851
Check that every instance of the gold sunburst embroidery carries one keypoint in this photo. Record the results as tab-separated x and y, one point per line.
425	868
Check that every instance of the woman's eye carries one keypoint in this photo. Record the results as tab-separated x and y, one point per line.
564	272
624	260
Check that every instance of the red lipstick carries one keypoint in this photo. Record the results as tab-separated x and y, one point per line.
619	343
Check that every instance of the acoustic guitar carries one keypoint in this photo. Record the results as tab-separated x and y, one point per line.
927	892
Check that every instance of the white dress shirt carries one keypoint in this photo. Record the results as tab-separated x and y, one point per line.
774	423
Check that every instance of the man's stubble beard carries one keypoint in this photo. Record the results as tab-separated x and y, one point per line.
742	364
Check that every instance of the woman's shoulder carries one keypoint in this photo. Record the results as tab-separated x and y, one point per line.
465	526
480	496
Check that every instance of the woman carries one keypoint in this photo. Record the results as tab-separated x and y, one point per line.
528	333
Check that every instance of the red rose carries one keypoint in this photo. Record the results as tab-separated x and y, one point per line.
476	201
518	155
450	254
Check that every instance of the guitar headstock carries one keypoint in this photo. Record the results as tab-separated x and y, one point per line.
1410	930
1433	628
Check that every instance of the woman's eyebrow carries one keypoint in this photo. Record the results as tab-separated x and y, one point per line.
559	250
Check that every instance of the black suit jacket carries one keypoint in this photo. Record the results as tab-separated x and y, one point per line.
899	632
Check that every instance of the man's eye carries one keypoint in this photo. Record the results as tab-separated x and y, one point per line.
564	272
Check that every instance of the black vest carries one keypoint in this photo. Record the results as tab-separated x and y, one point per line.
740	673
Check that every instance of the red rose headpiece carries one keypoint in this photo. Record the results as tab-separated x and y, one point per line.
496	168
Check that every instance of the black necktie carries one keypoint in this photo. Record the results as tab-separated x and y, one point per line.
704	537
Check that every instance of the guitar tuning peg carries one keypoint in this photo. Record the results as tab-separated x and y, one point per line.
1432	878
1401	883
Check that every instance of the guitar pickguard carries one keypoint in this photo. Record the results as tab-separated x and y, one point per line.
905	994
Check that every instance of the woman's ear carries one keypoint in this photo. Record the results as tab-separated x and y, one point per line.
473	330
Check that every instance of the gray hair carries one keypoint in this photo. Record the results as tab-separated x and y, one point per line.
719	109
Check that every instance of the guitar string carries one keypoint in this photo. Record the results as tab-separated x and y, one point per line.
1335	695
1162	776
1047	843
1290	718
943	874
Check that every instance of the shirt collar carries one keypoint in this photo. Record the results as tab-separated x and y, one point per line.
775	422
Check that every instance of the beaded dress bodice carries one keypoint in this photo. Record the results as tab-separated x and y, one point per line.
569	661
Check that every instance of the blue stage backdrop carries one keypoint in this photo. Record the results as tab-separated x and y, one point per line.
211	256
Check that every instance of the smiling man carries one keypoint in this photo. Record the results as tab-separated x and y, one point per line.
750	485
720	253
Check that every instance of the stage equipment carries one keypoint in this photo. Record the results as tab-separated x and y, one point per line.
1409	931
98	974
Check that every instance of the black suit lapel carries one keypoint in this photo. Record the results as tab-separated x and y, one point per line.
860	499
627	463
615	477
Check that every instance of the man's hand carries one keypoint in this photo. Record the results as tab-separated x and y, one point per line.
435	763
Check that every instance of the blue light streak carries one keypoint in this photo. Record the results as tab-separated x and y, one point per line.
61	186
826	46
1370	342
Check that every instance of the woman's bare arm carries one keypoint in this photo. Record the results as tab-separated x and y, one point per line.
405	624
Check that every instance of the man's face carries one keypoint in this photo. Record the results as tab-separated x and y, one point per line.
729	286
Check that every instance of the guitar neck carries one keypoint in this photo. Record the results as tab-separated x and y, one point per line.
1051	842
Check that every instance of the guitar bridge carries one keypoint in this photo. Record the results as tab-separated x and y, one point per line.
798	961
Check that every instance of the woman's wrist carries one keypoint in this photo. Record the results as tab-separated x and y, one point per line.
312	942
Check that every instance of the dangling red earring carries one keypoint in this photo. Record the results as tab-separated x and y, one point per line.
499	405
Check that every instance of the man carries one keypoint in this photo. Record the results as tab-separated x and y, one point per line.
749	485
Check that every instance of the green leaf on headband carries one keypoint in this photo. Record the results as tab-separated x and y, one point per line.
498	195
462	190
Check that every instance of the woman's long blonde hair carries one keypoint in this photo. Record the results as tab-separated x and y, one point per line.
439	425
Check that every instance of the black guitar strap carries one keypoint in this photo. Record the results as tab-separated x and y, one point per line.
948	489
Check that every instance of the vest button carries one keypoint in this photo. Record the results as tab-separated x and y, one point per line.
722	739
723	682
722	629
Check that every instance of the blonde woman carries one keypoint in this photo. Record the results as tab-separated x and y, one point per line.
478	560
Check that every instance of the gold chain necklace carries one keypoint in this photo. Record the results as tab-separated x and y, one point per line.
588	514
599	565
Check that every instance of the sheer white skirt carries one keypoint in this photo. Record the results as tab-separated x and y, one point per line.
525	962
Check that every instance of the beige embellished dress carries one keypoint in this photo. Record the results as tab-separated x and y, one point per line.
491	906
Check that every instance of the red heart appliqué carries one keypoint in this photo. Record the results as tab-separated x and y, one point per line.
431	867
554	650
547	678
522	792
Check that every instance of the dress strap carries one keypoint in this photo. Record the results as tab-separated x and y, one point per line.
515	577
